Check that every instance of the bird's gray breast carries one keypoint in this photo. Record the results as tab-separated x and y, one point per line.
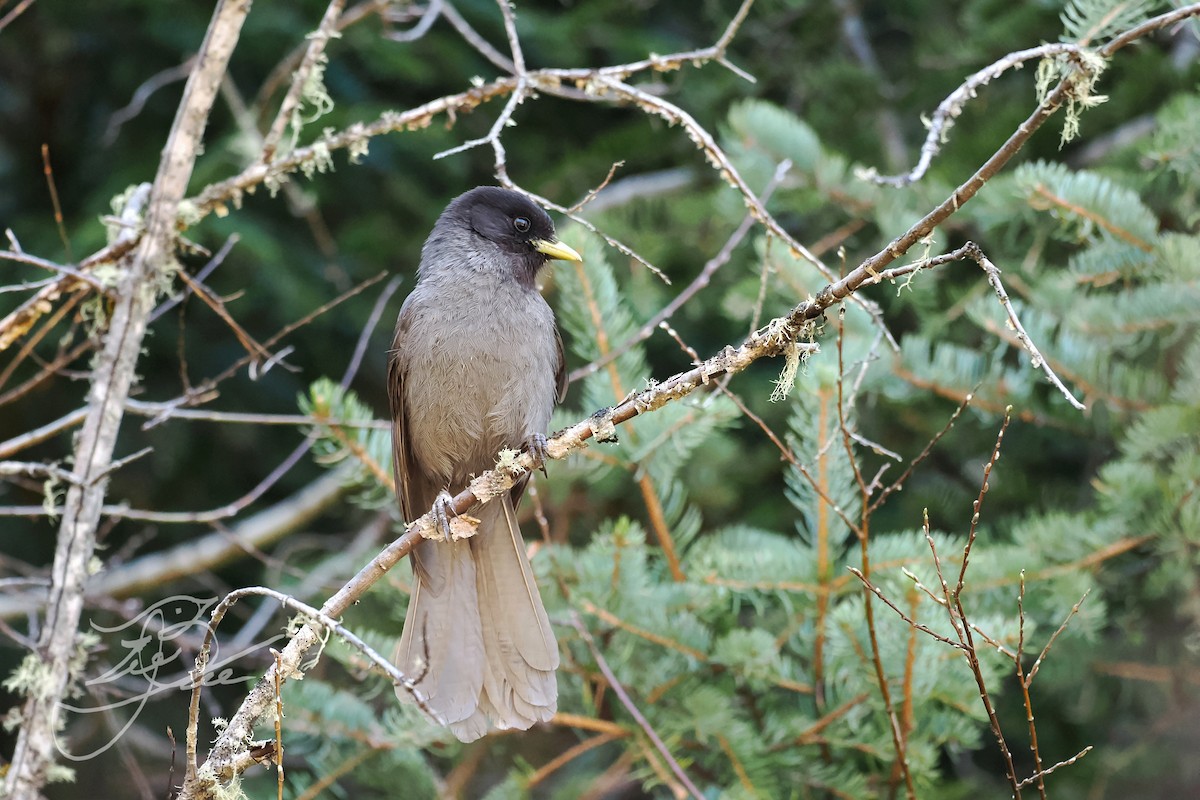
481	358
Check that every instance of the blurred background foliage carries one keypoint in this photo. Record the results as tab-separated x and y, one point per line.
1097	241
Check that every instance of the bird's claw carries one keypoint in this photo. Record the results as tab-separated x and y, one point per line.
536	445
443	512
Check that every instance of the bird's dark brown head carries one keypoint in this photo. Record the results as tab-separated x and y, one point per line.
511	222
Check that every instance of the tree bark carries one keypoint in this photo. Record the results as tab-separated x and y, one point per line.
146	267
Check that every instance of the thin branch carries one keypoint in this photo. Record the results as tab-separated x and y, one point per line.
515	99
316	618
48	171
287	66
911	622
699	282
1037	360
28	348
364	337
977	506
25	316
39	435
510	30
256	351
472	37
569	755
202	553
1046	650
278	728
317	41
1025	698
300	420
425	19
215	261
550	81
141	95
1066	763
17	11
206	390
952	107
595	191
954	607
62	269
641	187
900	481
626	701
611	241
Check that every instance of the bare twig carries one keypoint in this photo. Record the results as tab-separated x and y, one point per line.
143	93
626	701
911	622
1045	650
949	109
899	741
640	187
205	391
520	92
957	613
62	269
569	755
425	19
202	393
30	345
256	351
472	37
900	481
317	618
550	81
595	191
287	66
25	316
202	552
317	41
48	172
278	728
1037	361
611	241
218	258
17	11
698	283
239	418
1067	763
1028	701
364	338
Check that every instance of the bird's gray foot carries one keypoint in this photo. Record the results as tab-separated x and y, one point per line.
443	512
536	445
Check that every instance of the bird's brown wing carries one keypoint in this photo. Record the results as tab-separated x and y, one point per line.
442	645
560	372
403	468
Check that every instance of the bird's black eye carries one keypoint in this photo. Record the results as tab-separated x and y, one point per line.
521	224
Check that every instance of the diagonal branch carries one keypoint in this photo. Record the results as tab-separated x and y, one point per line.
300	78
623	696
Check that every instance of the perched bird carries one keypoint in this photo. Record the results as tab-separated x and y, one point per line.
476	366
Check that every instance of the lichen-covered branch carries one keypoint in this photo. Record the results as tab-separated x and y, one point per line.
112	376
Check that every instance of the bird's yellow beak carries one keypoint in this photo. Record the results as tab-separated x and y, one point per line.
556	249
